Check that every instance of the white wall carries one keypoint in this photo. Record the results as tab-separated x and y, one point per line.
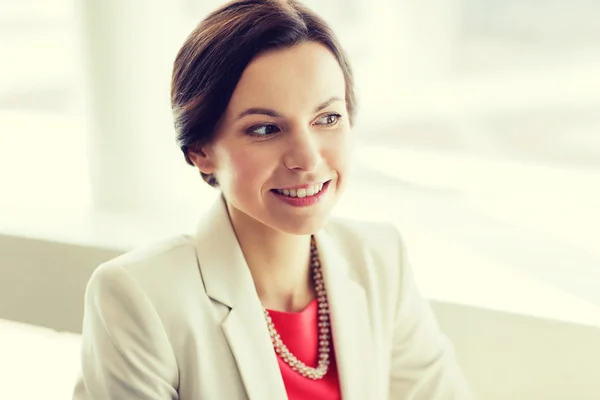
43	283
515	357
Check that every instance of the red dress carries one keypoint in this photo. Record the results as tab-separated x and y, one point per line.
299	332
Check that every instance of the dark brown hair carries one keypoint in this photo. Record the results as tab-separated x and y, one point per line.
214	56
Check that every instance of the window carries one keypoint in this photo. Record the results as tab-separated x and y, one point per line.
478	121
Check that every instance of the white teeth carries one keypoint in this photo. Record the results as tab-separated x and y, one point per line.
301	193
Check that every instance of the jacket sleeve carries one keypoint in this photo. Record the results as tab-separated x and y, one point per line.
125	351
423	364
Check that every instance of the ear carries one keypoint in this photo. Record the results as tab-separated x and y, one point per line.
201	158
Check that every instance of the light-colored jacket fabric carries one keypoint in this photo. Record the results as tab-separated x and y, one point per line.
182	320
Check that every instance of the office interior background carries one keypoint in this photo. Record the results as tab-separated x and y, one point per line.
478	135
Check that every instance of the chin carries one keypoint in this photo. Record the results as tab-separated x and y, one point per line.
302	222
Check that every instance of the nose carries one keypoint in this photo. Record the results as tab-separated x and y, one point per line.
304	150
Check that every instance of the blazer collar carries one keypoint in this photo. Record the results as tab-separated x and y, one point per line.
227	280
226	275
349	316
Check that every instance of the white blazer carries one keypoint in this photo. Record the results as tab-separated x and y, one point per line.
182	320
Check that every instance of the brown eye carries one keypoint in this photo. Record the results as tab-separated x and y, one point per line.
263	130
328	120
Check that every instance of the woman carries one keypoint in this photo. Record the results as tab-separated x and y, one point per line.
270	299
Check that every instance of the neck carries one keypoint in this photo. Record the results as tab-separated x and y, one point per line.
279	263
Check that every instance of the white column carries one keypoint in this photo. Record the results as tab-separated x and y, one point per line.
129	47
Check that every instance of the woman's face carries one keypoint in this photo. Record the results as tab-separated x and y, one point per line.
281	152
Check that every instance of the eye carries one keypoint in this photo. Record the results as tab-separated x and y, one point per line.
262	130
329	119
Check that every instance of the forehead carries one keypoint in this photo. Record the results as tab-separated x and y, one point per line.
290	80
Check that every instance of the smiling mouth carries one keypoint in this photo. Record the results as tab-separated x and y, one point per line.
311	190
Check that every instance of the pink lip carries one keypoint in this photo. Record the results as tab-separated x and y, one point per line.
304	201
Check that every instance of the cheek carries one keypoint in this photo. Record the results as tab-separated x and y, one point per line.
246	170
339	151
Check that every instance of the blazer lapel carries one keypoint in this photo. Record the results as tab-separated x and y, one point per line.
349	319
227	279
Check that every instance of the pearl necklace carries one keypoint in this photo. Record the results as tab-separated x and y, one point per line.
324	331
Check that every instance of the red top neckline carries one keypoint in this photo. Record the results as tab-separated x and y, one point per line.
300	333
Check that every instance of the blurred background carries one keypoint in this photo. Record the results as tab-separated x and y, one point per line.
477	134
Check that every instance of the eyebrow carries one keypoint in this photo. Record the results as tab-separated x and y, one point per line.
272	113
